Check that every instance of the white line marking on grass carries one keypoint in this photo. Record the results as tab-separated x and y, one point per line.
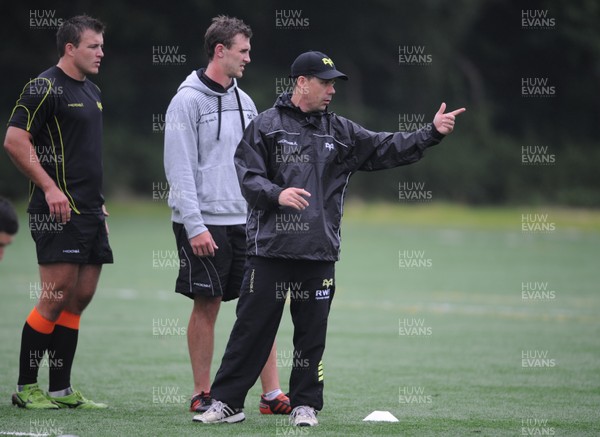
126	293
499	311
31	434
133	294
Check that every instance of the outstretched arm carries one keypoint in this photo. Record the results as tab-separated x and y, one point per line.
387	150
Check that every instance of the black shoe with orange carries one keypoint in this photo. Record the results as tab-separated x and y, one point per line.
279	405
200	403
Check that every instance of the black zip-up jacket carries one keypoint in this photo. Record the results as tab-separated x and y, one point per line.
284	147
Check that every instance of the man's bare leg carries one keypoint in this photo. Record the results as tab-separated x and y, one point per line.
269	377
201	340
64	339
65	290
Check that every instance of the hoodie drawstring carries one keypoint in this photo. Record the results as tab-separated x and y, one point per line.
237	95
219	111
240	110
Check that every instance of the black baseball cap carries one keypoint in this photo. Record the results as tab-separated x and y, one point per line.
316	64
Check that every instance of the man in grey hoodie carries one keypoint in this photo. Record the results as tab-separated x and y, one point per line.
204	124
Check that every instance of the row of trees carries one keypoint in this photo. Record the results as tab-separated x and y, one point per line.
528	74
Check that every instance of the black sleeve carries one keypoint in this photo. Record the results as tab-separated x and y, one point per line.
35	105
251	157
383	150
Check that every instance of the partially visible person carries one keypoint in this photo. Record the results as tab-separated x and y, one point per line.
54	137
9	224
204	124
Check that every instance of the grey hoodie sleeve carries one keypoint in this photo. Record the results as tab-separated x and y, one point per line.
181	165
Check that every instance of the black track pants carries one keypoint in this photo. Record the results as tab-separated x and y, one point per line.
267	281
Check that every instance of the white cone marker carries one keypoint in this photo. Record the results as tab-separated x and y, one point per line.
380	416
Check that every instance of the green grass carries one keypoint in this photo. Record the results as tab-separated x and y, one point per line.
467	365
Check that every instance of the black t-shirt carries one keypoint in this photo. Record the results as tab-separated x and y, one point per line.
64	117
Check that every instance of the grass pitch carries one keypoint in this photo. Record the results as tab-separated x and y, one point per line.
455	320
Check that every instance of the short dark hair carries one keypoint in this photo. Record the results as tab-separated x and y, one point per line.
9	222
72	29
222	31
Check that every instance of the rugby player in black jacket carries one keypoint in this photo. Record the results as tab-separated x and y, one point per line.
294	163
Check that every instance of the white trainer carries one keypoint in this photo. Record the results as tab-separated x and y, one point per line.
220	412
303	416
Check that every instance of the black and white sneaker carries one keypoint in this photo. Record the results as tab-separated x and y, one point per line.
220	412
303	416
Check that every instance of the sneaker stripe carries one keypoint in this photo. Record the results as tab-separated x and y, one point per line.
220	412
279	405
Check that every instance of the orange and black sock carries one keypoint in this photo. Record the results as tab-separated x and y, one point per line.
36	336
62	348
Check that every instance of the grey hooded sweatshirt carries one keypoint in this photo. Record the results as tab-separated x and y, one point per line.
202	130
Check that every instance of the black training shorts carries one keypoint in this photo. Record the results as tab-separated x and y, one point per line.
82	240
218	276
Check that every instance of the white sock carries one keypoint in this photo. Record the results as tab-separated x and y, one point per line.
272	394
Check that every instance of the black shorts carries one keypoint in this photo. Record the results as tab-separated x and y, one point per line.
82	240
216	276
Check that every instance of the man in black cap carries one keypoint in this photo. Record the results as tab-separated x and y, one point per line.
294	163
